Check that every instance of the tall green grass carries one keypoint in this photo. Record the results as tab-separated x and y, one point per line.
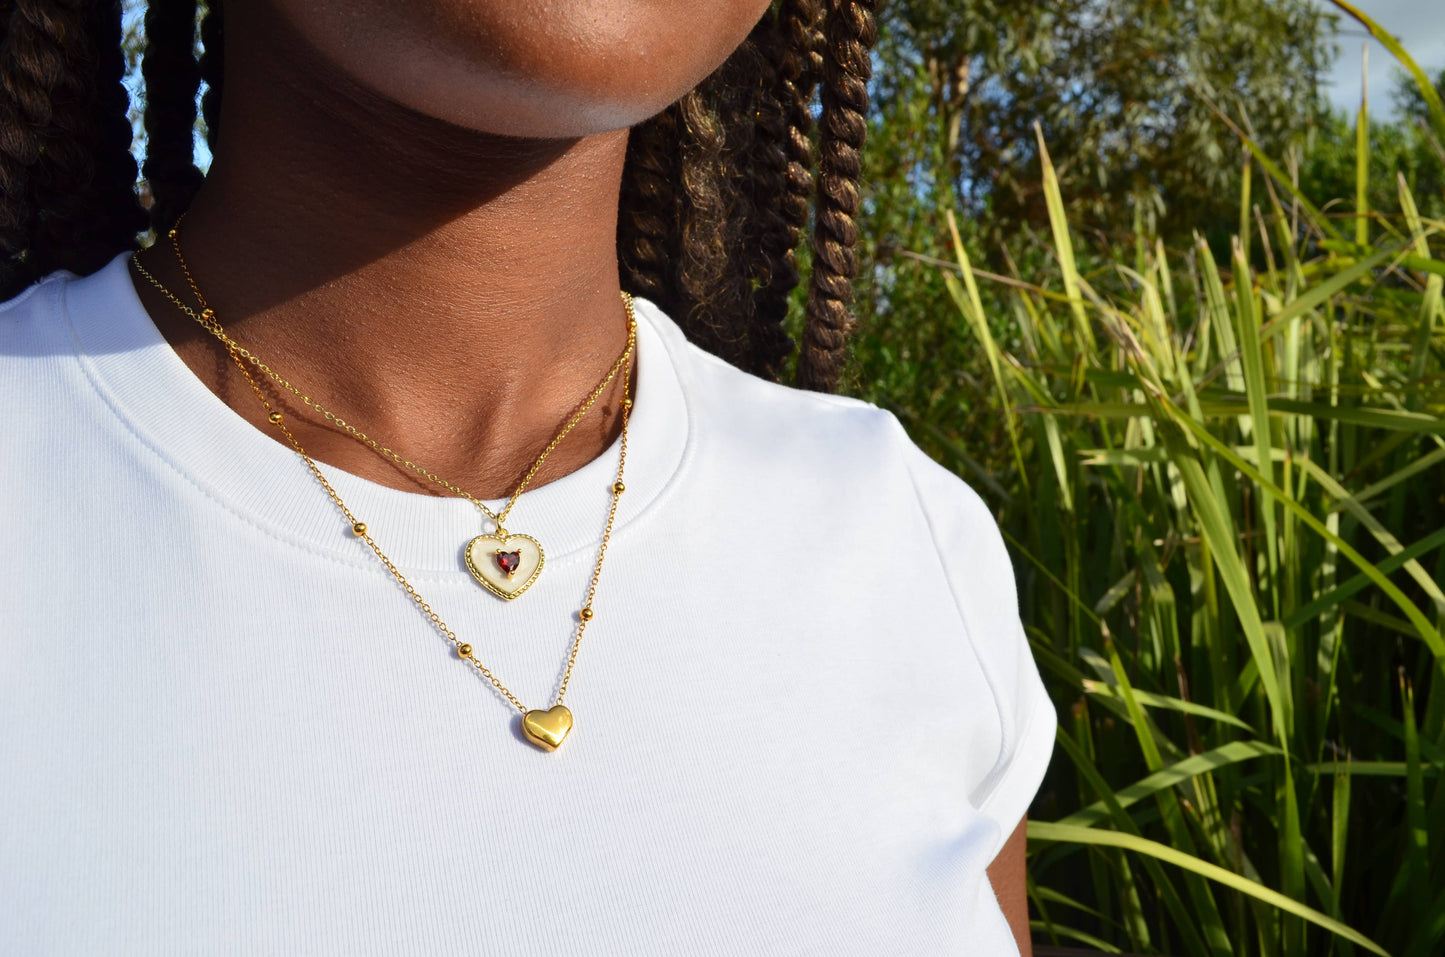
1228	504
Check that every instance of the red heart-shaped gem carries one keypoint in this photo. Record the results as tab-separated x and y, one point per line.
509	562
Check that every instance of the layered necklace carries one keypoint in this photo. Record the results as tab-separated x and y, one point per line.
505	563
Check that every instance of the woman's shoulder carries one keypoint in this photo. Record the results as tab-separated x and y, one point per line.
845	472
790	434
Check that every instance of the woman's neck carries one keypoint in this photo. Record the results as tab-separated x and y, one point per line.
452	292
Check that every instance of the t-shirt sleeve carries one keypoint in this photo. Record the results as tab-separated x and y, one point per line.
979	571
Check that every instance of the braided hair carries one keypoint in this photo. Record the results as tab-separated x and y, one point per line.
716	197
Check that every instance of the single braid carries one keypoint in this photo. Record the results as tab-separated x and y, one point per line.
799	72
736	103
213	61
647	233
775	235
704	260
172	78
849	29
804	20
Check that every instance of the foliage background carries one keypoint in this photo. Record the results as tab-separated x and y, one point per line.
1181	324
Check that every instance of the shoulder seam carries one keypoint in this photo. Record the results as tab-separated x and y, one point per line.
995	772
990	778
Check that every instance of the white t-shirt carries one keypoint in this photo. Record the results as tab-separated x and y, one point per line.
806	714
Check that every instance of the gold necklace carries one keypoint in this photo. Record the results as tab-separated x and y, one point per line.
503	562
546	728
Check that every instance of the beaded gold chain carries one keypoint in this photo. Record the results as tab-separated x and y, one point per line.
504	563
545	728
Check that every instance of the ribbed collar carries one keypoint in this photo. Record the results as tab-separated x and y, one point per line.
267	484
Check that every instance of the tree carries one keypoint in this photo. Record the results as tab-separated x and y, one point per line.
1402	145
1409	101
1124	91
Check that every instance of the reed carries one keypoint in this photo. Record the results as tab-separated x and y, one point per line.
1227	508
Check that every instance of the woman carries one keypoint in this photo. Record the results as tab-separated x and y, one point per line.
311	504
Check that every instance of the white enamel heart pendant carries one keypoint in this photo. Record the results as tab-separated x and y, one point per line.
504	564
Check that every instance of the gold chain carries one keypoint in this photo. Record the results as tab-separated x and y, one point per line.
242	358
207	320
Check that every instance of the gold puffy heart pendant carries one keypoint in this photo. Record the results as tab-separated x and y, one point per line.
504	564
546	729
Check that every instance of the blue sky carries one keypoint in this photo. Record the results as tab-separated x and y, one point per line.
1419	25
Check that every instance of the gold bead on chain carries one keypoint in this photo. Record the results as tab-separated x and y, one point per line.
546	728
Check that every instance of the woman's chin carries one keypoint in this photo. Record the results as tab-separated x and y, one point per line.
519	69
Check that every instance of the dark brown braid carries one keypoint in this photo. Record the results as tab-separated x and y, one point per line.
705	282
783	178
801	68
849	31
798	74
172	79
770	237
715	194
736	94
647	231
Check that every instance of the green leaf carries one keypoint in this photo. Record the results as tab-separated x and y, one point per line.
1172	704
1339	826
1409	470
1064	246
1354	585
1417	846
1214	524
1431	304
1174	774
1256	389
1043	831
1364	769
1321	293
1096	943
970	304
1378	531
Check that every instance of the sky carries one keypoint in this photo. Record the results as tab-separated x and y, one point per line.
1419	25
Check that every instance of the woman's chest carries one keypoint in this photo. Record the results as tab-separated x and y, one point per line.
215	745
